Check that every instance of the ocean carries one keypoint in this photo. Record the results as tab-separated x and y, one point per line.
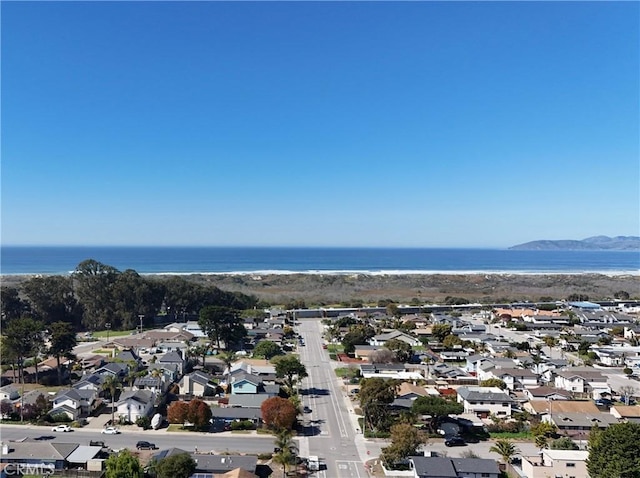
15	260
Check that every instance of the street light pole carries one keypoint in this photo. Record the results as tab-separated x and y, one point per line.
141	317
108	327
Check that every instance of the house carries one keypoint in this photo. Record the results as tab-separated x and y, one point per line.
443	467
117	369
546	393
544	407
246	400
388	370
381	339
411	391
128	356
516	378
230	414
216	466
75	403
485	401
222	464
242	383
173	346
90	382
198	384
626	413
173	358
9	392
52	455
556	463
170	371
579	425
157	385
135	404
582	381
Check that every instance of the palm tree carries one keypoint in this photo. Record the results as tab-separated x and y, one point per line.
227	357
287	450
112	384
505	449
542	442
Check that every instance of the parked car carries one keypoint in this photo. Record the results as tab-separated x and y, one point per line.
110	431
145	445
604	402
455	441
61	428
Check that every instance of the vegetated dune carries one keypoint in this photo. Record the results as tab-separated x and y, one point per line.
322	289
345	289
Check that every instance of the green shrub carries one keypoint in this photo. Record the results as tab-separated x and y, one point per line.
144	422
59	418
265	456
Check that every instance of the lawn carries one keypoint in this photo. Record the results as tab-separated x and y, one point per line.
112	333
347	372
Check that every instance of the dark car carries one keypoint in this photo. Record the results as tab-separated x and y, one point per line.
145	445
455	441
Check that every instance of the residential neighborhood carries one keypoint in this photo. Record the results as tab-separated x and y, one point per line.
494	372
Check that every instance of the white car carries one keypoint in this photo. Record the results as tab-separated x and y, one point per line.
61	428
110	431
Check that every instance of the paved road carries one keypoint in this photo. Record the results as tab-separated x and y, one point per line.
331	425
219	442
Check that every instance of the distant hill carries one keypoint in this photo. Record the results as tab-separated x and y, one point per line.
597	243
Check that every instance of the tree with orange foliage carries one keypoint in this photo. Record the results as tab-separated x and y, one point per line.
279	413
178	412
199	413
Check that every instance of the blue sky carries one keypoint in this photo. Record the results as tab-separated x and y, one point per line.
300	123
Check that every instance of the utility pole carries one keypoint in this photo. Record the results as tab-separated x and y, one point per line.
141	317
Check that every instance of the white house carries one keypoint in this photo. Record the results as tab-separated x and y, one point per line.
135	404
582	381
381	339
556	463
9	392
485	401
75	403
516	378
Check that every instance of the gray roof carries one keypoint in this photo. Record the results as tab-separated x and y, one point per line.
171	357
114	368
200	377
248	400
433	467
224	463
475	465
30	450
142	396
440	467
233	413
476	396
84	453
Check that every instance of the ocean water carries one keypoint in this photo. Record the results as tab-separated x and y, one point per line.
186	260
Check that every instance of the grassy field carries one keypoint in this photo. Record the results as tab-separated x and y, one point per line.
112	333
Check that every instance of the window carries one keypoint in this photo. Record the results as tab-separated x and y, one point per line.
571	465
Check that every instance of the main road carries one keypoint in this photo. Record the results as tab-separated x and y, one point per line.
188	441
331	428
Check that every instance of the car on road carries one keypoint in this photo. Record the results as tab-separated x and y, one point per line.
306	410
61	428
455	441
145	445
110	431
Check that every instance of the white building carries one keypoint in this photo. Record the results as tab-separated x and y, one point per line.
485	401
563	463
